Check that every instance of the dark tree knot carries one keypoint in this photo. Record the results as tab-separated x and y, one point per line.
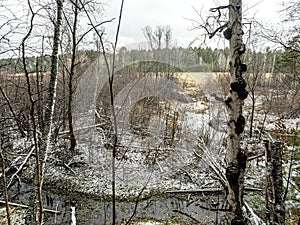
240	124
242	159
232	174
227	33
243	68
228	102
239	86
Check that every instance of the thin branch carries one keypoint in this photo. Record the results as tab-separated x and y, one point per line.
92	28
12	112
137	200
187	215
218	9
110	73
219	29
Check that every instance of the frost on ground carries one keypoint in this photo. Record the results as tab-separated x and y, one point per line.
167	155
149	164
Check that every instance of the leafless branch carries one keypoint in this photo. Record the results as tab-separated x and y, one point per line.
20	167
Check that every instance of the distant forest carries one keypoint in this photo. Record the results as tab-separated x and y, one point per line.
186	59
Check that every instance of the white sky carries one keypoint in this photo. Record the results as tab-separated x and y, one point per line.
139	13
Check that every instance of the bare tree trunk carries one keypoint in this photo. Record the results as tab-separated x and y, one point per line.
46	136
40	88
41	152
71	78
4	187
275	209
34	215
235	156
252	115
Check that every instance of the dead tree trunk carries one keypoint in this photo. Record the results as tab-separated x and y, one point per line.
275	210
71	78
235	156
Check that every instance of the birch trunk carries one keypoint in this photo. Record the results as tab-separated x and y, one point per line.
235	156
34	216
46	136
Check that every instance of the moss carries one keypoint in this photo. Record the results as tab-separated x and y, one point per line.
258	202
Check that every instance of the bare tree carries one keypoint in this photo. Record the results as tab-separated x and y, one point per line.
34	215
235	156
75	37
168	36
158	36
111	74
42	147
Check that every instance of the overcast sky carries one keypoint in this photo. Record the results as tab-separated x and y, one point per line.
176	13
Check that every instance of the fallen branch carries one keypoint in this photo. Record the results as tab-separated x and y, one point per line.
255	157
209	190
187	215
214	190
211	163
254	219
26	206
20	167
213	209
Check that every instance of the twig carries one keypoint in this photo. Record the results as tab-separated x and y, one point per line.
69	168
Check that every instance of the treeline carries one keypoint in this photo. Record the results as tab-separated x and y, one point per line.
42	63
186	59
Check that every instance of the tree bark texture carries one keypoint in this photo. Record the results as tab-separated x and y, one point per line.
48	120
275	209
235	156
33	215
4	186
